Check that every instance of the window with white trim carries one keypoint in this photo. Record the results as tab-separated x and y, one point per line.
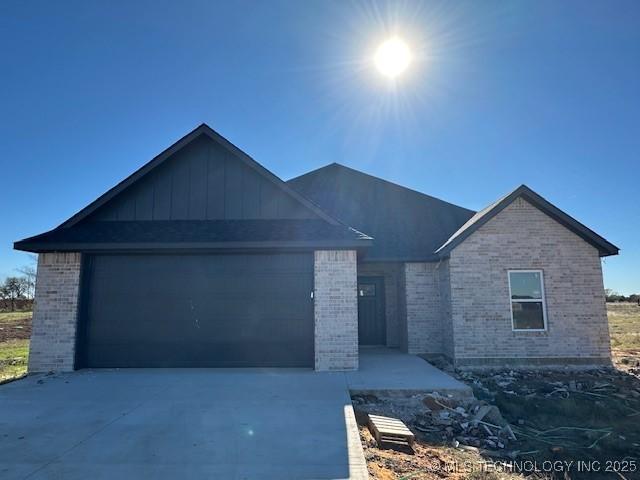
528	309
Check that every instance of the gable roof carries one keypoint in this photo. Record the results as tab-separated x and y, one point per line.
82	232
407	225
483	216
154	163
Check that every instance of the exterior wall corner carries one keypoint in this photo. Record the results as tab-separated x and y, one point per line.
53	337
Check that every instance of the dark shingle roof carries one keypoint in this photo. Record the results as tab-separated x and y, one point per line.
406	225
194	234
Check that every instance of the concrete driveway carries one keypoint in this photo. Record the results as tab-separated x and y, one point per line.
196	423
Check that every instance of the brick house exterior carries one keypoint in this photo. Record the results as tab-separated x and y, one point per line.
300	283
577	329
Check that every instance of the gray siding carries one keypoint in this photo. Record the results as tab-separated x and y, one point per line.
203	181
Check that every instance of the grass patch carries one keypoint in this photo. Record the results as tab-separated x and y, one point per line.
14	355
8	318
624	326
15	330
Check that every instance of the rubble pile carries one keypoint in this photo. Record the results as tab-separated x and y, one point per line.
465	423
600	383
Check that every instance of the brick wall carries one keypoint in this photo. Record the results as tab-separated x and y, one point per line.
444	290
422	308
54	317
391	273
522	237
336	310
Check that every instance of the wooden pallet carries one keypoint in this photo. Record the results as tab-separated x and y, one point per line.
390	430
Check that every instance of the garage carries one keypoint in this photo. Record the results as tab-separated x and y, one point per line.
196	310
200	258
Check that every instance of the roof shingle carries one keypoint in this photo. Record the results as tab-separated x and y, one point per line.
193	234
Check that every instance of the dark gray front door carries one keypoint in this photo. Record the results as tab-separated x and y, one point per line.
197	311
371	317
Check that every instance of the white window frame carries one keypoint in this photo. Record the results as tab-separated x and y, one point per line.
528	300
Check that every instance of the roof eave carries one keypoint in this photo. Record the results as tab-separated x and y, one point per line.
604	247
45	247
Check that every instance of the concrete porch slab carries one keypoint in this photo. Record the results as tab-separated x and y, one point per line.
389	370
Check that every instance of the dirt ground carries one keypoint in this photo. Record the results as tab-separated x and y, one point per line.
567	425
15	326
562	421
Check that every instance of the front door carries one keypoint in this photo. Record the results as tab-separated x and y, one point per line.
371	318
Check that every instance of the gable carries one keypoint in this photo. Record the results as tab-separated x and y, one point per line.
202	181
526	229
202	176
523	195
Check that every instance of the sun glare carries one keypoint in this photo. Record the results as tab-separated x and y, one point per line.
392	57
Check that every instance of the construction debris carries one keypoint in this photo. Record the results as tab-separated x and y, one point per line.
390	430
461	422
515	416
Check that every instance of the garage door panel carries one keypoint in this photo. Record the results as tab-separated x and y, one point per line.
189	355
198	310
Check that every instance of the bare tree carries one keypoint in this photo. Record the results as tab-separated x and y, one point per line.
29	280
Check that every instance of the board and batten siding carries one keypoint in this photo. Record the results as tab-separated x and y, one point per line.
203	181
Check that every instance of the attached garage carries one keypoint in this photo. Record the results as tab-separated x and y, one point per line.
251	310
201	258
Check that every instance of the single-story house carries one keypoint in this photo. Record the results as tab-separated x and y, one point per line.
204	258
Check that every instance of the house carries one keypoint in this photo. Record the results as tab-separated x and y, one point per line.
203	258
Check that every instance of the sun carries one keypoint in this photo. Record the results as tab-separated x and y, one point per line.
392	57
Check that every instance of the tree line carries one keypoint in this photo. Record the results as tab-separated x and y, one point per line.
17	292
613	296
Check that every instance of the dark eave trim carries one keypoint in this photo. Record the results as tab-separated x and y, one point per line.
42	247
605	247
420	259
158	160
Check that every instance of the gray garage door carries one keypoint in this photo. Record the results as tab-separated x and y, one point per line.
196	311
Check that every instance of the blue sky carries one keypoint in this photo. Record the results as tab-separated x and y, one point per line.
500	93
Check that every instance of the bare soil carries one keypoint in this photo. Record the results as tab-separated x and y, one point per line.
15	326
592	417
556	416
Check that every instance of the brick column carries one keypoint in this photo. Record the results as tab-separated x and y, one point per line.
336	310
53	334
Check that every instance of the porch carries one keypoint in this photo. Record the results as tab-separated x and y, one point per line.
388	370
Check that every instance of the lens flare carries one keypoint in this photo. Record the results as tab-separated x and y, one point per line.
392	57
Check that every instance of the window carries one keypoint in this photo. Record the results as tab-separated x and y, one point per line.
528	311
